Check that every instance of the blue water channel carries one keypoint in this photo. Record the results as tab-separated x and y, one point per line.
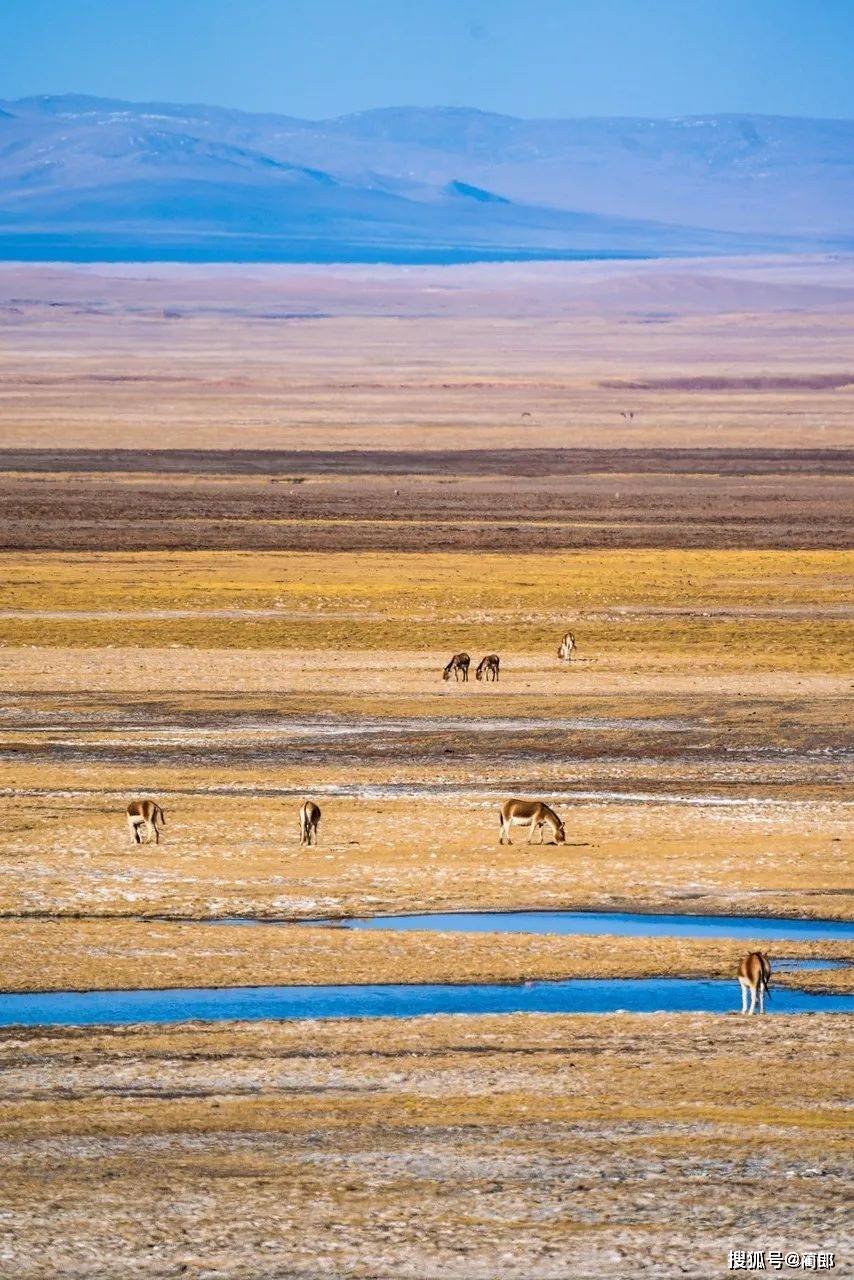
398	1000
577	995
635	924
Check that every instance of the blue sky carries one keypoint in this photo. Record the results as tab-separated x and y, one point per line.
319	58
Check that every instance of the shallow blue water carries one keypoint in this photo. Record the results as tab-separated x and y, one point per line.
581	995
613	922
58	246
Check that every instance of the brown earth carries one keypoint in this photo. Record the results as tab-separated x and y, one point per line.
516	500
521	1147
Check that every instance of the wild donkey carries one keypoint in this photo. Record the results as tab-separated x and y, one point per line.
533	812
754	971
309	821
459	664
145	813
567	645
487	668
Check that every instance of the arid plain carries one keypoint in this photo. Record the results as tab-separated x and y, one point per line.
247	517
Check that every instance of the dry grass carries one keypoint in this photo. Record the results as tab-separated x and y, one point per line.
113	954
529	1147
435	586
684	606
70	854
696	770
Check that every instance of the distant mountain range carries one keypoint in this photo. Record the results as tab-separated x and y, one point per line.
85	177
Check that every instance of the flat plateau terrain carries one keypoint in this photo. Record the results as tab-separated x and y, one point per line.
533	1148
247	518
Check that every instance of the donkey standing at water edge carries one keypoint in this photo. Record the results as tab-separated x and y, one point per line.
534	813
145	813
754	971
487	668
309	821
459	664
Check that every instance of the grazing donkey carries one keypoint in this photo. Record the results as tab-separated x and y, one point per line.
309	821
459	665
567	645
145	813
533	812
754	971
487	668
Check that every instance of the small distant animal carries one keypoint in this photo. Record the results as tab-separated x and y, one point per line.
754	972
628	414
309	821
487	668
458	666
533	813
567	645
145	813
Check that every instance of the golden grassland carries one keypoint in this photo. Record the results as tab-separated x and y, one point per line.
111	954
68	853
408	602
529	1147
432	584
376	682
696	747
76	894
732	645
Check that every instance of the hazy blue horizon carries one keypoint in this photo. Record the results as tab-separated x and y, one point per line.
413	106
533	59
460	130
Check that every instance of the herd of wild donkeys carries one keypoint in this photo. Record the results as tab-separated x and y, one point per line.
754	970
488	667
